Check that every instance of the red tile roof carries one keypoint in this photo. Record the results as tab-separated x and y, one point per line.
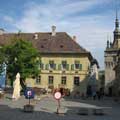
46	43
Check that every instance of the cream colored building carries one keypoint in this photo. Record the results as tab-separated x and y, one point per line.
63	63
70	71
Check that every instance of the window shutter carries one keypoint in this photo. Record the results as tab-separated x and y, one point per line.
59	67
47	66
67	67
38	65
80	67
72	67
54	66
42	66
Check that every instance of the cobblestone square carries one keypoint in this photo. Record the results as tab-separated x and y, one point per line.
45	109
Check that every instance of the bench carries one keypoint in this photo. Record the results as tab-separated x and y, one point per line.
83	111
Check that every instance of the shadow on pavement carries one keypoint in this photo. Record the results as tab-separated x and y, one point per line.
7	113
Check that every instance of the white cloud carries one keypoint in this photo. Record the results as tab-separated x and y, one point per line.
90	30
8	19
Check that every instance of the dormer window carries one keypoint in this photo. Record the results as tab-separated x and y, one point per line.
44	39
61	46
42	46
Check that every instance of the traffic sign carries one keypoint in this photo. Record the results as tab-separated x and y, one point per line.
29	93
57	95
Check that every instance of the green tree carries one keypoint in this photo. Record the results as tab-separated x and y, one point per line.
21	57
2	58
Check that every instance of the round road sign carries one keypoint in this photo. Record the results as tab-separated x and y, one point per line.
57	95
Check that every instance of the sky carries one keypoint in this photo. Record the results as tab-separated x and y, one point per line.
91	21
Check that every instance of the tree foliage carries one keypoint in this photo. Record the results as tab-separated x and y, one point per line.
20	56
2	58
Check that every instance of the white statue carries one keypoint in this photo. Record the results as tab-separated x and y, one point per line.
16	86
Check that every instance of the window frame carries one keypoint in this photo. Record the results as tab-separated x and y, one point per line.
76	62
38	80
77	81
64	64
51	64
50	78
63	80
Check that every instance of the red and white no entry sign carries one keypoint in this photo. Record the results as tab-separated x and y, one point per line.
57	95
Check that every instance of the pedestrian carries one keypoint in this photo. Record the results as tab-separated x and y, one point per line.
94	95
99	95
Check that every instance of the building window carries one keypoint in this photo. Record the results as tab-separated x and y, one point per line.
50	80
114	59
41	66
76	81
38	80
64	64
63	80
51	64
77	64
106	64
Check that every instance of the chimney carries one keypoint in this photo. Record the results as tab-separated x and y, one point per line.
35	36
2	31
74	38
53	30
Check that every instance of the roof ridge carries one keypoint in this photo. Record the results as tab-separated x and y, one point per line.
30	32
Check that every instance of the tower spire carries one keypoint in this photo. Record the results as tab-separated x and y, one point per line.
116	21
108	43
116	14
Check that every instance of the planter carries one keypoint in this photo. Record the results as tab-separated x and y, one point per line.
83	111
28	108
98	111
116	99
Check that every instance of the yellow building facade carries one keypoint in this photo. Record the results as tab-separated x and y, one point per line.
70	76
63	62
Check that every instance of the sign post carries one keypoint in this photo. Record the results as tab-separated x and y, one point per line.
58	96
29	94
